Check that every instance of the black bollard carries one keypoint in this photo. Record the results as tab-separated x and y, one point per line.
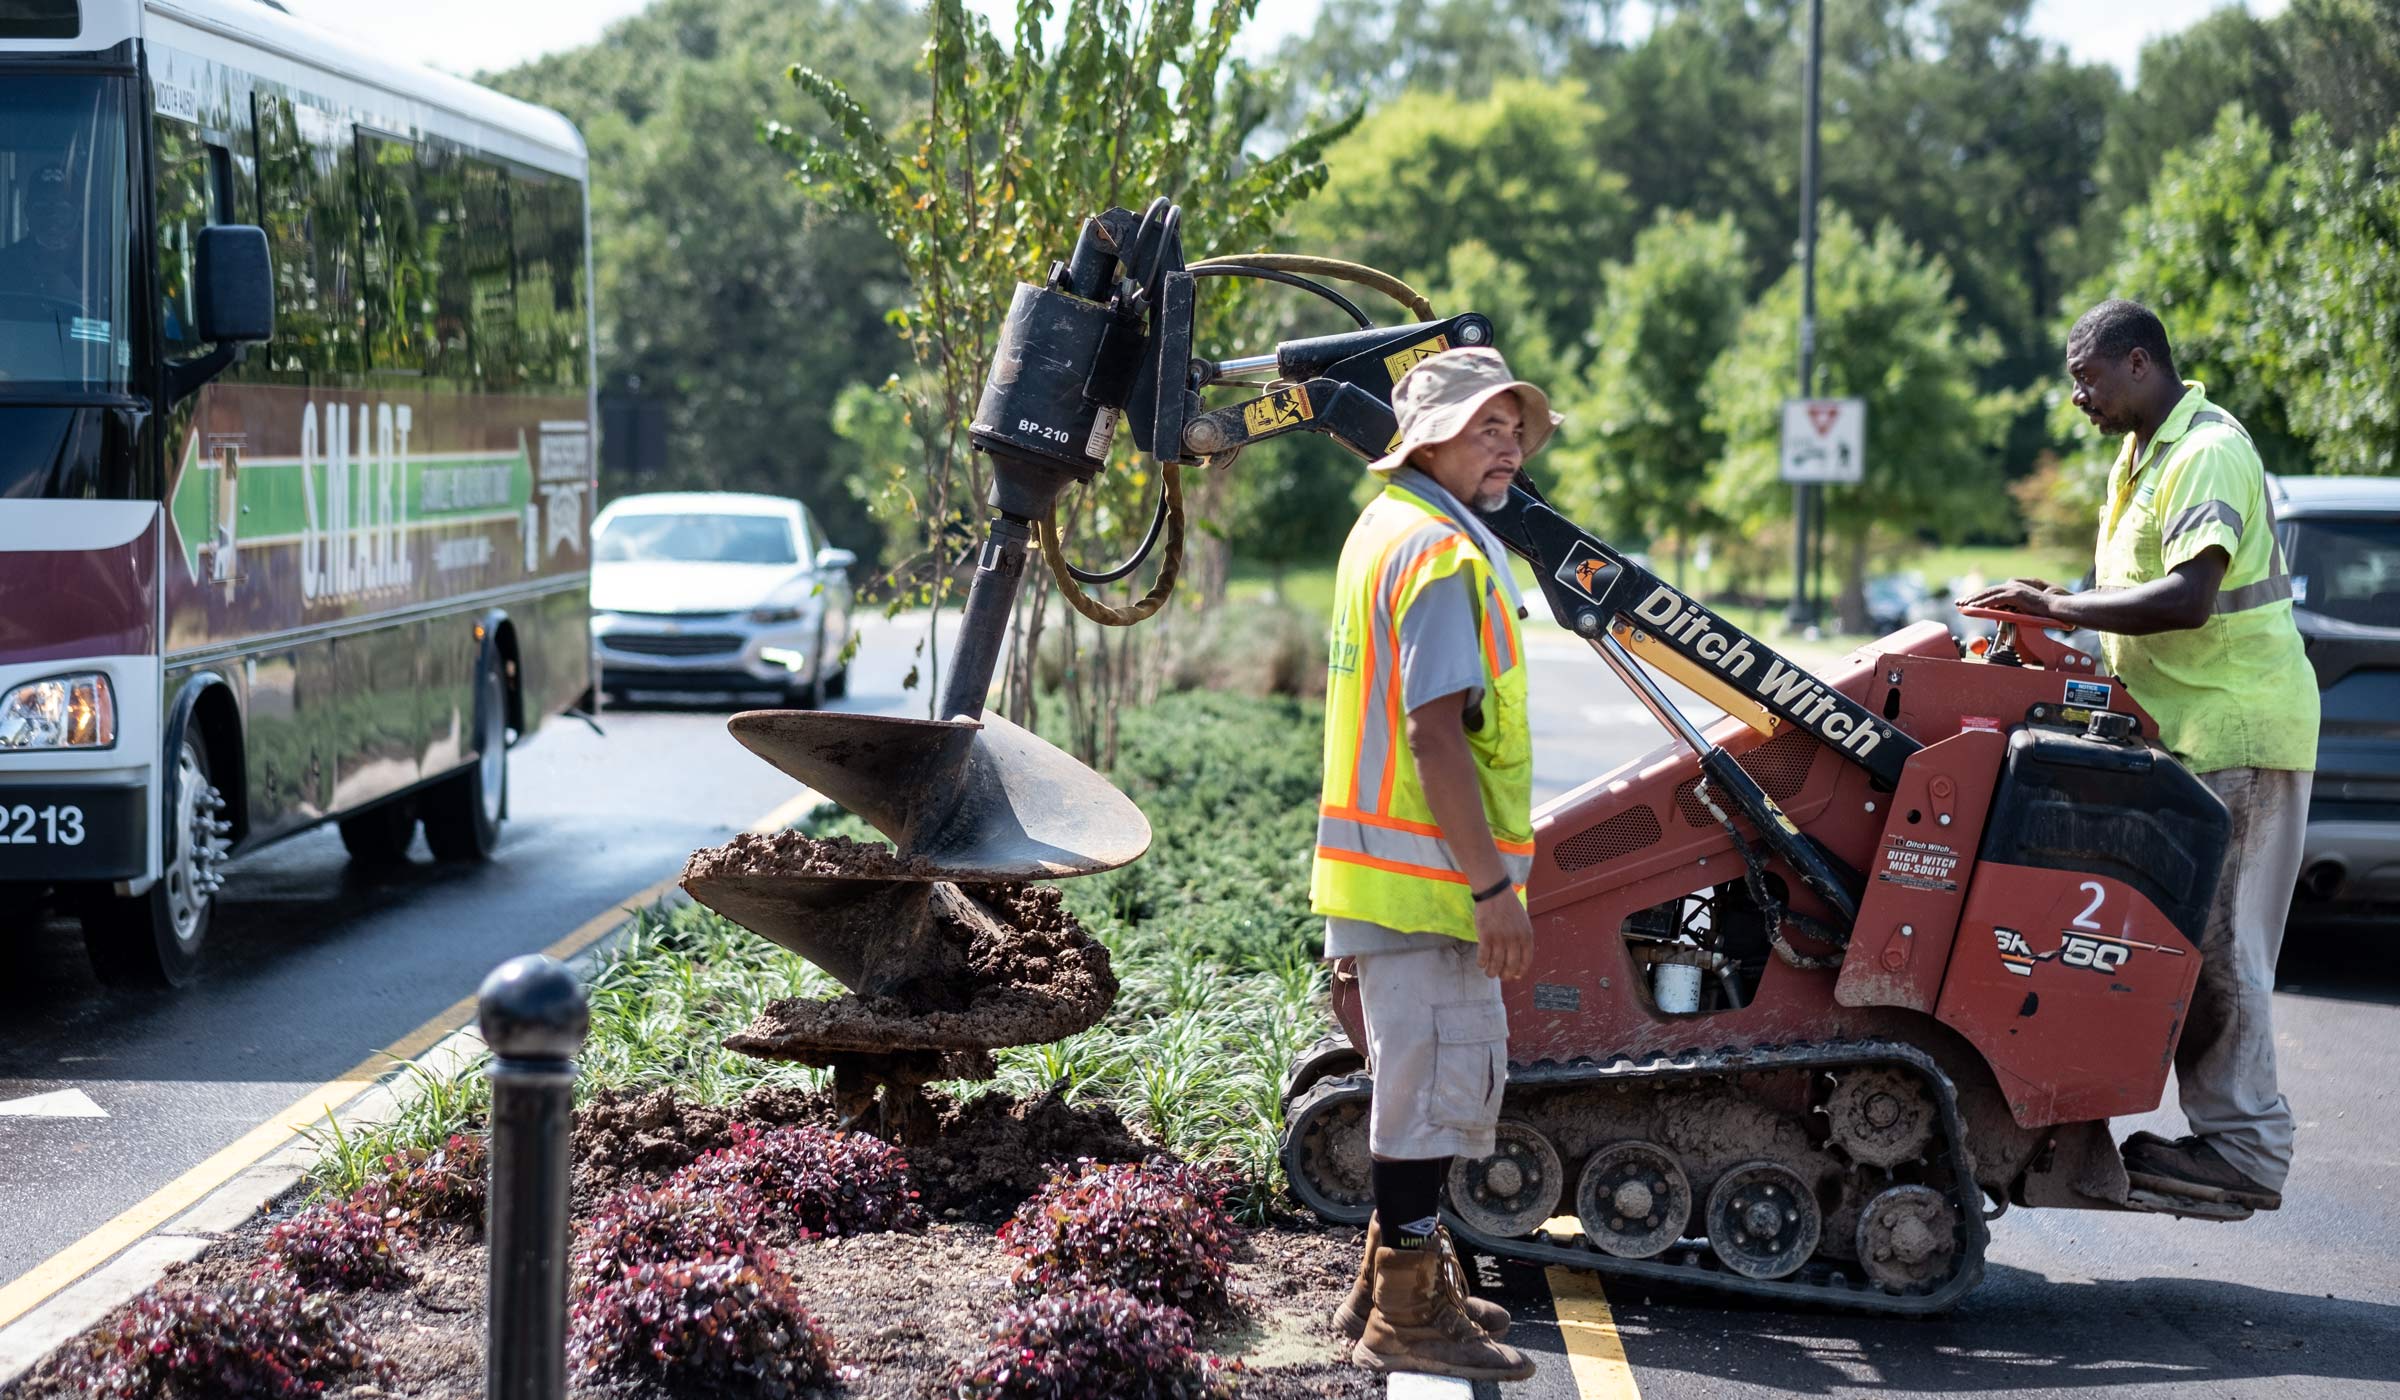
533	1016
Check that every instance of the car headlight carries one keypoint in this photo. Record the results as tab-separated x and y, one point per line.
60	712
789	603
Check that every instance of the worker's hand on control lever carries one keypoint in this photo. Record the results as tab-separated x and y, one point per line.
1503	937
2030	596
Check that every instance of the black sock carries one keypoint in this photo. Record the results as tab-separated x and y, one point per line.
1408	1199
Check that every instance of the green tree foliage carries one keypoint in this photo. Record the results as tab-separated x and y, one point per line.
1019	143
1513	170
2277	273
1891	332
1636	455
722	293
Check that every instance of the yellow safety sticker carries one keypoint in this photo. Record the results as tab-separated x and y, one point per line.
1285	408
1401	362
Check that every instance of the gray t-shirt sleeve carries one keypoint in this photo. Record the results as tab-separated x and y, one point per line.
1441	652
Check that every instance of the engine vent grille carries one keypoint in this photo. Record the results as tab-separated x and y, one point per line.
1780	765
1634	829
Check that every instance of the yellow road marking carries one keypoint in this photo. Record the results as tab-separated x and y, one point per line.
1595	1354
35	1286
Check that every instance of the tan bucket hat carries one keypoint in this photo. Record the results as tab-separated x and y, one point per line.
1440	396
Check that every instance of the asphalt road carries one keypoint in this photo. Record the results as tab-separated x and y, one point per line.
314	966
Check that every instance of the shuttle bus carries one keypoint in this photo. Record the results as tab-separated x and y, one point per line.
296	456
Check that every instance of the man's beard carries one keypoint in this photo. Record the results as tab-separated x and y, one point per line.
1491	500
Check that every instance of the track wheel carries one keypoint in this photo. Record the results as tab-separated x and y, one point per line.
1325	1153
1881	1116
462	813
1762	1220
1332	1055
1908	1237
1511	1192
1633	1200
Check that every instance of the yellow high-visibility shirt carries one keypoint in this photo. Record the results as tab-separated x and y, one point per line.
2236	691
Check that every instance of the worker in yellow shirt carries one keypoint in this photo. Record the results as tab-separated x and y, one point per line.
2194	606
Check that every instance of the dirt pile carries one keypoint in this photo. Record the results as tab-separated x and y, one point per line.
995	1151
1012	968
797	853
622	1137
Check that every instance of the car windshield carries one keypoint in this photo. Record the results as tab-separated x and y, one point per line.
696	539
64	235
2347	569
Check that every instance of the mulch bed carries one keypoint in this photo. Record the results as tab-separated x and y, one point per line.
904	1310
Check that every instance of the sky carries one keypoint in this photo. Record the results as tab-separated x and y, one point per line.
468	36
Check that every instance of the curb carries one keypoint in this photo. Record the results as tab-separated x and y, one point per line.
251	1191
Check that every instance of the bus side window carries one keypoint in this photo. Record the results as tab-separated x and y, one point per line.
186	204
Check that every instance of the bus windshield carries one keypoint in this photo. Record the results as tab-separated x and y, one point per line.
65	247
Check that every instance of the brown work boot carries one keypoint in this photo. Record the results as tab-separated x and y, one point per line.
1350	1315
2191	1168
1417	1324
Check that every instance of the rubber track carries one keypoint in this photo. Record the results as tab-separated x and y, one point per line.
1819	1283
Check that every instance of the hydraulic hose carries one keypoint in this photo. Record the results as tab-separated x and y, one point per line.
1171	486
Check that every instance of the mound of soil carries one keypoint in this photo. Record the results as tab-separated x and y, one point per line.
1013	968
797	853
623	1138
994	1151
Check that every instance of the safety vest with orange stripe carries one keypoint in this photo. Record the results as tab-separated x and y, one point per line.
1380	857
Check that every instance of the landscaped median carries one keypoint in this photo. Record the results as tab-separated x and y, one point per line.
1106	1219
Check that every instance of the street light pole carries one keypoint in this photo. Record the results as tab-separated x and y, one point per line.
1803	612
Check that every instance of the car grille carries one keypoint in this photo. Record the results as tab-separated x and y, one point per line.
680	644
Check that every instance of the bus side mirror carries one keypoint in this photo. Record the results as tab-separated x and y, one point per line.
234	282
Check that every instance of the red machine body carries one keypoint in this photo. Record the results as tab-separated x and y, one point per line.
2051	997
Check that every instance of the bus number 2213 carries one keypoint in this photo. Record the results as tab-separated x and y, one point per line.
23	825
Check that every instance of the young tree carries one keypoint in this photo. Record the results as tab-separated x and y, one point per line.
1019	143
1889	332
1636	459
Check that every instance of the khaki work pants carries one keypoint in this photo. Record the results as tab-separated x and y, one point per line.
2225	1063
1437	1043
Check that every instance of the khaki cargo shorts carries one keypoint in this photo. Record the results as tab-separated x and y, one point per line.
1437	1044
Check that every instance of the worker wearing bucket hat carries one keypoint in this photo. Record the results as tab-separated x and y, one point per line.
1425	839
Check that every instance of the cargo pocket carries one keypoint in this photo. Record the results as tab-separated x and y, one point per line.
1470	1064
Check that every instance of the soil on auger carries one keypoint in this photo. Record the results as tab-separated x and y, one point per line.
1013	967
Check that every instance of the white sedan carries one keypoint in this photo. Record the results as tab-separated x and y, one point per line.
719	591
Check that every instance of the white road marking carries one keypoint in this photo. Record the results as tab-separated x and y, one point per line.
58	1103
1416	1385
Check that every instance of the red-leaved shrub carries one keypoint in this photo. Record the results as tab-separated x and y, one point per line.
725	1326
344	1244
1158	1231
666	1226
447	1184
267	1337
813	1181
1092	1342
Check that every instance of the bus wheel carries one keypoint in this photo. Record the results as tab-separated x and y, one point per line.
153	939
381	835
462	813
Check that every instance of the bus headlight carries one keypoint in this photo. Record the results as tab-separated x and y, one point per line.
60	712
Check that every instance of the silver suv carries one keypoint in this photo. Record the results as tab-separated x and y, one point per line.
2341	537
719	591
